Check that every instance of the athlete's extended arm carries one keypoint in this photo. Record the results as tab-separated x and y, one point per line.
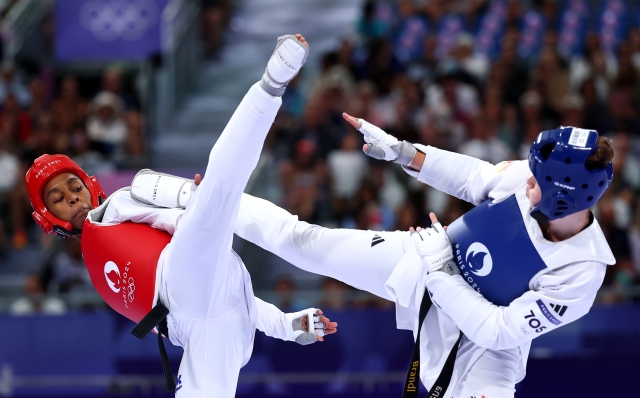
293	326
561	296
462	176
556	298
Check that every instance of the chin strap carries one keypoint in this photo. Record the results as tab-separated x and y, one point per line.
66	234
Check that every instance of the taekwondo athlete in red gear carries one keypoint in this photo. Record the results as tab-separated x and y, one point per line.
139	255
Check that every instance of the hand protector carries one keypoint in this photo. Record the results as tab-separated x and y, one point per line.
384	146
305	326
434	246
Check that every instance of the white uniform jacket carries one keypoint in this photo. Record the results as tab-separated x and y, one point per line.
121	207
559	294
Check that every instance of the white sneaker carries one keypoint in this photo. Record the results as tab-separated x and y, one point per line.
284	65
161	190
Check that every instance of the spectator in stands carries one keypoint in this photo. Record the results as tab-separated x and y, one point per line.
483	143
70	108
365	100
215	17
368	212
303	181
106	126
9	170
14	121
334	294
348	157
68	269
622	272
409	33
36	301
41	141
9	166
634	46
508	125
369	26
595	64
93	162
39	102
470	62
112	82
381	65
553	78
572	111
10	84
627	159
460	99
516	75
285	295
406	217
634	240
135	148
596	113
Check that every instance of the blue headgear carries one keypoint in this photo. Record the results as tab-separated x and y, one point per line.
557	160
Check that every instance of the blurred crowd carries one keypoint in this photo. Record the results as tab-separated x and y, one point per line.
101	133
95	119
469	77
478	77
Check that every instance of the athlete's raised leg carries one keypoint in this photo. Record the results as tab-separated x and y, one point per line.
204	283
362	259
198	259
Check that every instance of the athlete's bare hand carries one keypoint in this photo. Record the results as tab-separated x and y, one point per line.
329	327
197	179
433	218
355	123
301	39
352	120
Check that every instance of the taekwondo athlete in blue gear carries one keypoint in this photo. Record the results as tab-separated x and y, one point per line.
558	160
536	276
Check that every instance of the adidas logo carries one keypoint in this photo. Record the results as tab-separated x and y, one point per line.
376	239
559	309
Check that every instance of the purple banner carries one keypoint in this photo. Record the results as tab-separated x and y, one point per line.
95	30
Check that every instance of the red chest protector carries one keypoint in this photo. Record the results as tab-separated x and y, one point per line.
122	260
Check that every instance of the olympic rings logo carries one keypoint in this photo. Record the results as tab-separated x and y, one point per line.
128	20
131	288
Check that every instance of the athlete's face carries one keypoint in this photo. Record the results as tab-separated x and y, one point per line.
533	191
67	198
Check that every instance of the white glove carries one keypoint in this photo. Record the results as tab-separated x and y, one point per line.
434	246
304	331
384	146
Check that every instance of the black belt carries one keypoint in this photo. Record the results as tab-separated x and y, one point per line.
412	383
157	317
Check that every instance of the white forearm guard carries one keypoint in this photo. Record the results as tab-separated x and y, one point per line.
162	190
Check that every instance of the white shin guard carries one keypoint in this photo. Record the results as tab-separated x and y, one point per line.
162	190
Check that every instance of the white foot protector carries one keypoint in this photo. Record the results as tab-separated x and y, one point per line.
284	64
305	332
162	190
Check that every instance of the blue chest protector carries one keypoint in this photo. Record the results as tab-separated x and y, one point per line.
494	252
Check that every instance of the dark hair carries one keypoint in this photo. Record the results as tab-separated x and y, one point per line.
603	155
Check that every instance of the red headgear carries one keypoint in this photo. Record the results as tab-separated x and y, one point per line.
45	168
